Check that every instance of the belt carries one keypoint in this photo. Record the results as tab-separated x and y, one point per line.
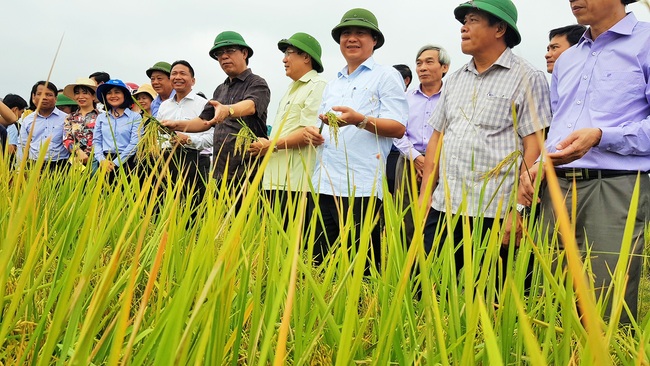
588	174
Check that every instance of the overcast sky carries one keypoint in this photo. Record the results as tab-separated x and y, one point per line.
124	38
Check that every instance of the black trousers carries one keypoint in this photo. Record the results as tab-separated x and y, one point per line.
327	232
194	167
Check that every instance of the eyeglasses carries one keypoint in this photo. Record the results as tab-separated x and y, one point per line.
227	51
287	52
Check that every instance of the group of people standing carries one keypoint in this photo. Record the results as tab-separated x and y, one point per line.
455	136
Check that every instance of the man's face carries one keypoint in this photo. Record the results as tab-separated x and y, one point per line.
232	60
295	65
429	69
477	35
556	46
357	44
595	12
161	83
46	97
182	79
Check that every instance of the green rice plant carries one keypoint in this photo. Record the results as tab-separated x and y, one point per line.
333	124
244	138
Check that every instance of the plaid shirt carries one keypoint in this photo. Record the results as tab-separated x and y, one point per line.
475	116
78	131
246	86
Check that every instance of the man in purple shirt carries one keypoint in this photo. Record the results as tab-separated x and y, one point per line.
599	138
432	64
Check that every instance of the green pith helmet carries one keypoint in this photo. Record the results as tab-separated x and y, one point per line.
359	18
502	9
305	43
161	66
229	38
62	100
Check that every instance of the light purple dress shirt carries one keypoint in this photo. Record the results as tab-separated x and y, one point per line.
418	130
604	83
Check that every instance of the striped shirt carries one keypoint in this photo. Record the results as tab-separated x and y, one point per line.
475	116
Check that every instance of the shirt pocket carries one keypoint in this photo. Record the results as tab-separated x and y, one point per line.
615	91
494	113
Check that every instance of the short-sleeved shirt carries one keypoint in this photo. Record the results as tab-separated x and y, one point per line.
289	169
187	108
78	131
355	166
245	86
44	129
475	115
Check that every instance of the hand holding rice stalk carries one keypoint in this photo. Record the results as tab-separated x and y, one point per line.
333	123
245	138
152	135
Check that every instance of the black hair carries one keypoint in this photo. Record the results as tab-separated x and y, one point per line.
184	63
100	77
14	101
572	32
404	70
79	88
510	37
50	86
128	101
625	2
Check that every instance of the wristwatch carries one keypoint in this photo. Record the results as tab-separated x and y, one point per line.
522	209
231	111
361	125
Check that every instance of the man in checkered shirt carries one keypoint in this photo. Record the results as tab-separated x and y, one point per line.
475	127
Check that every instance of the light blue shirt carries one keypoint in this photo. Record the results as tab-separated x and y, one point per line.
116	135
605	83
155	105
50	127
355	167
12	134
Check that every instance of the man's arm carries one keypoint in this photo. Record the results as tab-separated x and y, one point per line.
431	163
8	116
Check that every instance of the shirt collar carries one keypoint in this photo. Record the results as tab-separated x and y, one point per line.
419	91
624	27
57	112
241	76
308	76
369	64
505	60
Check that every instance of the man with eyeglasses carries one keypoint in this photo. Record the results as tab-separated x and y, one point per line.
292	160
242	99
371	107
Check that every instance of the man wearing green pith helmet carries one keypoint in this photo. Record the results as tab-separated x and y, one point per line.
292	160
372	109
242	98
474	124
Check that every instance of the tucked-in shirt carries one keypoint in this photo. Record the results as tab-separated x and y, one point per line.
155	104
187	108
245	86
50	127
290	169
78	131
418	130
355	167
605	83
118	136
475	114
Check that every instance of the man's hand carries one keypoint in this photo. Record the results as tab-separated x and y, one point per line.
221	112
527	181
180	139
259	147
348	116
576	145
508	229
418	164
82	157
108	165
311	136
172	125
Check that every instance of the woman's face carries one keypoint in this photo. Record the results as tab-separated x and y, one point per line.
83	96
115	97
145	101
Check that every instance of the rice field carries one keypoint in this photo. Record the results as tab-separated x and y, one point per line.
99	274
